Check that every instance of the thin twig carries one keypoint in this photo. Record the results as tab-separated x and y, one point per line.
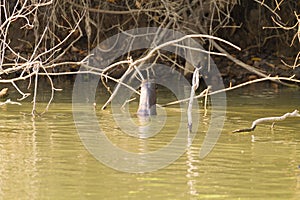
36	73
114	12
195	85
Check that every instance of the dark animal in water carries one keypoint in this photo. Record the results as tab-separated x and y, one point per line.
147	105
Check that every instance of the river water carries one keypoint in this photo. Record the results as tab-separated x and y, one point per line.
44	158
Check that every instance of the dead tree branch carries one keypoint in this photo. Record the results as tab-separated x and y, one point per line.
42	56
204	94
295	113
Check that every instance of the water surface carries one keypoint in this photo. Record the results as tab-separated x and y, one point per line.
44	158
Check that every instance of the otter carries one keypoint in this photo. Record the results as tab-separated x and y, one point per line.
147	105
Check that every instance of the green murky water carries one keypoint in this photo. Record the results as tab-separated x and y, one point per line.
44	158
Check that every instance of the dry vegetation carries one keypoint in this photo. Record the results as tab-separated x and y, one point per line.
48	38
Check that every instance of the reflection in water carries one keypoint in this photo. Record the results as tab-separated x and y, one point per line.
18	157
191	174
34	159
297	193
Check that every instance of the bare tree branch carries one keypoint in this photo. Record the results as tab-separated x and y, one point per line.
268	119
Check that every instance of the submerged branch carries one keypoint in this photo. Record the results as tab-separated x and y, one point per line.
268	119
8	101
203	94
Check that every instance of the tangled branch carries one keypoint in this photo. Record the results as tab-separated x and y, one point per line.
52	35
15	66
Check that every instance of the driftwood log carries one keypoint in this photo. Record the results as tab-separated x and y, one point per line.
268	119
